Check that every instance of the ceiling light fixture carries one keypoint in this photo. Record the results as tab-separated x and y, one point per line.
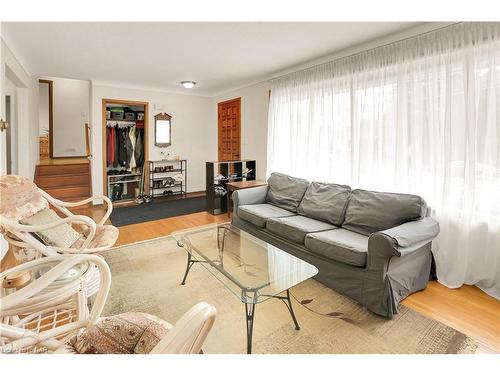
188	84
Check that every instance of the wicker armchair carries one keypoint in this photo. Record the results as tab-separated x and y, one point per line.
28	221
50	315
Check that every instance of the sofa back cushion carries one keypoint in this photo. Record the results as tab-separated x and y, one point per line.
325	202
372	211
286	191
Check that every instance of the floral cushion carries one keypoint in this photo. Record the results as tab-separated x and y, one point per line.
19	198
105	236
128	333
61	236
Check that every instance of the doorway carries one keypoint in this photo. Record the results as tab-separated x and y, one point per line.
119	116
8	136
45	118
229	129
11	141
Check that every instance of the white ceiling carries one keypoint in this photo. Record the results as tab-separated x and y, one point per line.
219	56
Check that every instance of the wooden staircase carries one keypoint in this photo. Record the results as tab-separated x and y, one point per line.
67	182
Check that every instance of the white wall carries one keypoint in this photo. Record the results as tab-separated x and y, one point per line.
254	109
194	130
71	110
26	92
26	132
43	108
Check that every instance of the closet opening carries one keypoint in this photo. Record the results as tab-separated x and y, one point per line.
125	149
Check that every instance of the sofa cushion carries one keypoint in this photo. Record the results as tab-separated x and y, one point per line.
258	214
326	202
339	244
295	228
372	211
285	191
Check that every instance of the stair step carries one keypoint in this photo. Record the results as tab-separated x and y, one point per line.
65	169
67	182
56	181
69	192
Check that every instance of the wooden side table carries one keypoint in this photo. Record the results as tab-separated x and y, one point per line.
239	185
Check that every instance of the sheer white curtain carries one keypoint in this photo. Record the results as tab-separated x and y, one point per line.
420	116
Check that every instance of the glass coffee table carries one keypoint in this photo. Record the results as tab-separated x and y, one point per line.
252	269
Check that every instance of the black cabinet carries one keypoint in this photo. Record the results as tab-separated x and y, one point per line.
218	174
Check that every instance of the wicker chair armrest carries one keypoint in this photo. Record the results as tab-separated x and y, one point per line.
62	204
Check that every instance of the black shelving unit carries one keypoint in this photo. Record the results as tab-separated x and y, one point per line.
218	174
161	171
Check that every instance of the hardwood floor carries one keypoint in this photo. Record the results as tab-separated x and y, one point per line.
158	228
467	309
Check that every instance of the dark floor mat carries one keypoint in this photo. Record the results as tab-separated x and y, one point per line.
155	210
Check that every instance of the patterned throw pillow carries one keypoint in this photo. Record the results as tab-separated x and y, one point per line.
128	333
19	198
61	236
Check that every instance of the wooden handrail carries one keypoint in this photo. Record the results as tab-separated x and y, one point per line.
87	140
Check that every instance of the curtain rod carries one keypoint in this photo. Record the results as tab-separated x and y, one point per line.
366	50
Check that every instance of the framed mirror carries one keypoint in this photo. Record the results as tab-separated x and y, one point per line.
163	130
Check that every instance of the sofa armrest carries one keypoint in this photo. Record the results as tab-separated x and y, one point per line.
413	232
256	195
400	241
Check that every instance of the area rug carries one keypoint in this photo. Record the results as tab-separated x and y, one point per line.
159	208
147	276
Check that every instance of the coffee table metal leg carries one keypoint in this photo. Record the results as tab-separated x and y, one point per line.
288	303
188	267
250	313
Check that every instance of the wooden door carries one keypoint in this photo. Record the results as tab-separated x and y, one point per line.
229	129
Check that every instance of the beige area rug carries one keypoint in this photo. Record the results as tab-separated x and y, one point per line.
147	276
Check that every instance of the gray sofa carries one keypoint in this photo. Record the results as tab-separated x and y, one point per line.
373	247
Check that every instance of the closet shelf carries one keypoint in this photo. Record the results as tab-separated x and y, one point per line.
170	171
123	181
165	187
159	178
124	174
124	123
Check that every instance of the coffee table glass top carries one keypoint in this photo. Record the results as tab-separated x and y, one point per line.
251	268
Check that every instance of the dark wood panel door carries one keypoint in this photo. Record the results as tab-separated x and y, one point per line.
229	129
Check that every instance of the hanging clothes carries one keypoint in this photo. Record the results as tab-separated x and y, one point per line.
110	146
139	149
125	144
132	137
129	149
116	138
122	147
